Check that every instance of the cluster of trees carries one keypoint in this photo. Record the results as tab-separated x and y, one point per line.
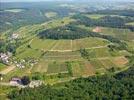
116	87
84	53
65	32
106	21
6	46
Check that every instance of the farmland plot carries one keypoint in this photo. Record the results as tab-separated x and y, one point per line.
82	68
120	61
57	67
89	43
107	63
64	56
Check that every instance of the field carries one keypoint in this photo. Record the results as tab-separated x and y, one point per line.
95	16
131	23
56	68
62	58
14	10
50	14
123	34
2	66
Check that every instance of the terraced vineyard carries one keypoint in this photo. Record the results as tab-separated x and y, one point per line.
58	59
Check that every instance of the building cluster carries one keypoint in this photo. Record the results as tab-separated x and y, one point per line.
4	57
16	81
14	36
35	83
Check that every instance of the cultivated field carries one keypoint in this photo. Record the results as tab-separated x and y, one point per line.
124	34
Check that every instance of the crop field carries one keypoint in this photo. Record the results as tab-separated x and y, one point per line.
124	34
108	63
41	44
89	43
98	52
102	52
63	45
120	61
64	56
96	63
80	68
66	45
29	53
57	67
95	16
41	67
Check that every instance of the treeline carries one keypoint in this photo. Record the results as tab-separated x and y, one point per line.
106	21
107	87
129	13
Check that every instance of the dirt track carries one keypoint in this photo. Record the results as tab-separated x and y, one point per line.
7	70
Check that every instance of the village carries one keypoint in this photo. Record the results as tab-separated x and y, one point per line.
7	59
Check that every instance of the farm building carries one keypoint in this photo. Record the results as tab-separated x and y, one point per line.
15	81
35	83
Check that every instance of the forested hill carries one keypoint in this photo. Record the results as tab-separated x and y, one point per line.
107	87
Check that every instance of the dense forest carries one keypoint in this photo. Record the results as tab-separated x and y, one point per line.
105	87
106	21
129	13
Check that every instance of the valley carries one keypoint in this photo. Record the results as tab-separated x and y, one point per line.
66	46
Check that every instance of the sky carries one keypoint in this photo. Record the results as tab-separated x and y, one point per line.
47	0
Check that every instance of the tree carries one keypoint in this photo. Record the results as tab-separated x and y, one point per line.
25	80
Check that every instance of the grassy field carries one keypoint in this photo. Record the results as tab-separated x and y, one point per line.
2	66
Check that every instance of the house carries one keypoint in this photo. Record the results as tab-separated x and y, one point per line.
14	36
15	81
20	65
4	58
35	83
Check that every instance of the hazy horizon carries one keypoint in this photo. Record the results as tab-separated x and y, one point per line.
59	0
